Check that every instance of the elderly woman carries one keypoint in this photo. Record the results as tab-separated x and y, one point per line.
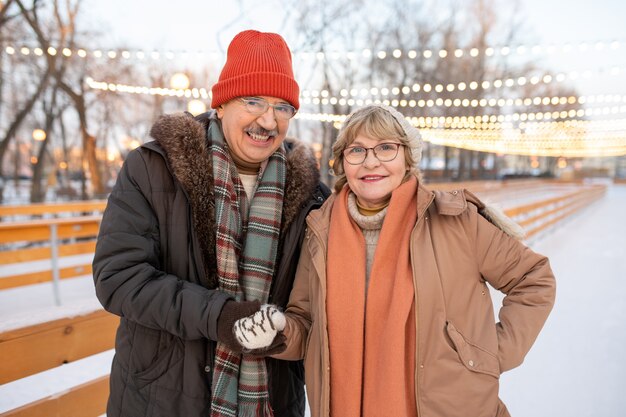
390	306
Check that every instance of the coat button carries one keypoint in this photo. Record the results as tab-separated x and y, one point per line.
471	363
207	368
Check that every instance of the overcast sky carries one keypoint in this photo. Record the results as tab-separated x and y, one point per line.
210	25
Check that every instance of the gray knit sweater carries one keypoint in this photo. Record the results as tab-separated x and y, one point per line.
370	226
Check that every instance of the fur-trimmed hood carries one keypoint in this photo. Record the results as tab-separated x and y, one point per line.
183	142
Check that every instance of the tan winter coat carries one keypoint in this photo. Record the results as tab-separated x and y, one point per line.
460	349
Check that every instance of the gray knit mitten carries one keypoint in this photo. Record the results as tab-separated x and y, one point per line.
259	329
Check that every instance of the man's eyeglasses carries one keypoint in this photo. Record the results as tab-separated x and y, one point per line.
384	152
258	106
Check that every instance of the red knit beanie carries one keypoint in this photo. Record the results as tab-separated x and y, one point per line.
257	64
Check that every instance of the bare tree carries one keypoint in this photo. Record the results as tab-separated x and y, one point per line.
5	15
52	111
65	20
322	27
43	77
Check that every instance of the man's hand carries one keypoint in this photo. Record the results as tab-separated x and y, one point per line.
231	312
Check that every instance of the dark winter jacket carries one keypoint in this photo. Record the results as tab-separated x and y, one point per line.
155	266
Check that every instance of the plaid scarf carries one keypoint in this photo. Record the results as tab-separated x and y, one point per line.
246	248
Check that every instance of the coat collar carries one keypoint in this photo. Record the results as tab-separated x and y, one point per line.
319	220
447	203
182	140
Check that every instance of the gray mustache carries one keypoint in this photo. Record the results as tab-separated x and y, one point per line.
262	132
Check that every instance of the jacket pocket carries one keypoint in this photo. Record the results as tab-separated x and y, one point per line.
169	351
474	357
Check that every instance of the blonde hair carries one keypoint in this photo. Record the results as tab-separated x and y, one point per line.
375	122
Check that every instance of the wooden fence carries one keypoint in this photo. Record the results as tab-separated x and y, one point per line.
69	339
46	239
86	400
47	345
10	212
50	344
539	216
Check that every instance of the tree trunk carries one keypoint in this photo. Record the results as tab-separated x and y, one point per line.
89	142
37	190
95	176
19	118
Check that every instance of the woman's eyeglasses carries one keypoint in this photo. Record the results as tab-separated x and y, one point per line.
384	152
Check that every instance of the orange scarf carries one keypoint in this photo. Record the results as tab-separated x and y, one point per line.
372	346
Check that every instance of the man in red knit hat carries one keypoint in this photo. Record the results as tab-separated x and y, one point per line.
204	226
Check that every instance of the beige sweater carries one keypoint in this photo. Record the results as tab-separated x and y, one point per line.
370	226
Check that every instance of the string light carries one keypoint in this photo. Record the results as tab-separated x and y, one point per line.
422	121
514	142
556	139
313	97
511	117
154	91
524	121
482	84
474	103
548	133
392	53
111	54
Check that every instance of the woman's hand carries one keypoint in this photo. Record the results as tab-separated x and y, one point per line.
259	330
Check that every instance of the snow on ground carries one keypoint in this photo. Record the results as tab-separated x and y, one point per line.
575	369
32	304
54	381
25	306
